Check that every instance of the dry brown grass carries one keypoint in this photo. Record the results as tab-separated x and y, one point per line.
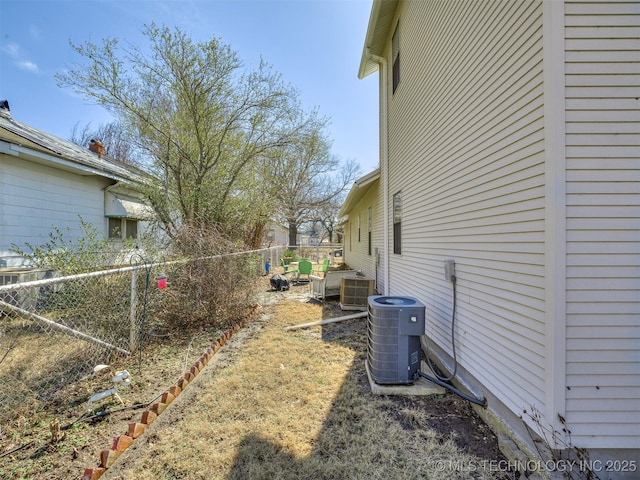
27	435
45	360
296	404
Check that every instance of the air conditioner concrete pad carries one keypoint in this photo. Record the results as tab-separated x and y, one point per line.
421	386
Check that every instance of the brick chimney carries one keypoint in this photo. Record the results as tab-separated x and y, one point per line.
96	146
5	111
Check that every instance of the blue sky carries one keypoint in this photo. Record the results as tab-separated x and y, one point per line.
315	44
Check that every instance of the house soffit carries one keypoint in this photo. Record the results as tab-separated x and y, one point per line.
359	190
380	23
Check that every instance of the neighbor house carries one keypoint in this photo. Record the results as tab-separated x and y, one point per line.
510	144
48	182
275	234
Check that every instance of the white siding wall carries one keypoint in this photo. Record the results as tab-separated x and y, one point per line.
34	197
466	151
603	222
356	254
276	235
378	237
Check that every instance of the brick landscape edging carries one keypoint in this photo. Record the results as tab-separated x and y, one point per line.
136	429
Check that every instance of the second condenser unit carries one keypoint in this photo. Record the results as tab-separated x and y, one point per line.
394	327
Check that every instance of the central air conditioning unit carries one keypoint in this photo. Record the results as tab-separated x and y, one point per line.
394	327
355	291
19	296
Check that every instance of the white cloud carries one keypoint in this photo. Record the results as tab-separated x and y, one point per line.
27	65
13	50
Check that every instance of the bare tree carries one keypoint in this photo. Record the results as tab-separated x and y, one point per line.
204	121
327	216
117	144
308	178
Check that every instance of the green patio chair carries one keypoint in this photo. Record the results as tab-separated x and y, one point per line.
305	267
322	268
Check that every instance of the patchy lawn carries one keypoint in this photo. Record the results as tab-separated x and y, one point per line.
26	450
297	405
270	404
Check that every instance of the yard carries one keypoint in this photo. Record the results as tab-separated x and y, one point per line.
278	404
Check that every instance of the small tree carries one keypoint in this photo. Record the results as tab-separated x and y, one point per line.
203	121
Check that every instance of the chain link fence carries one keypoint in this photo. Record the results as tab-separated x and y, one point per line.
54	331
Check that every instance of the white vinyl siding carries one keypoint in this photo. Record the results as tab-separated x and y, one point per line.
603	222
34	198
466	148
358	256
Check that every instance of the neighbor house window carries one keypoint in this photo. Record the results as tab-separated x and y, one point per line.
369	228
395	57
358	228
397	223
131	228
121	228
